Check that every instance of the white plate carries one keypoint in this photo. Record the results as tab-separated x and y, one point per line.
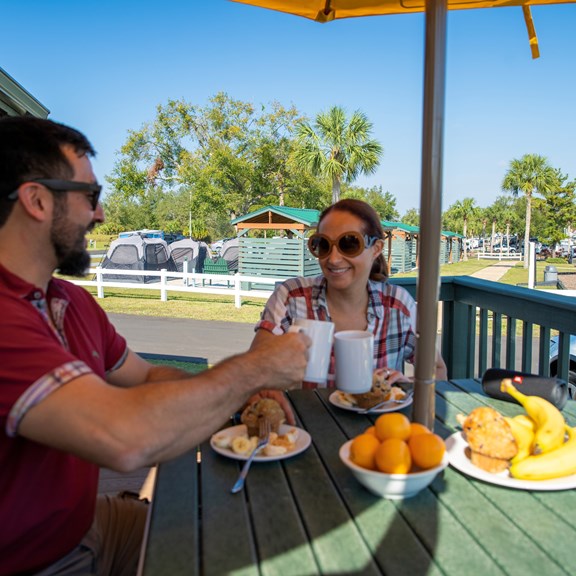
456	446
302	442
334	399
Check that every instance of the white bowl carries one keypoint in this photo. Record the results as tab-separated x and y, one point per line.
391	486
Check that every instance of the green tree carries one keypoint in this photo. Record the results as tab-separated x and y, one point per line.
457	217
337	148
529	175
383	202
213	162
559	207
411	217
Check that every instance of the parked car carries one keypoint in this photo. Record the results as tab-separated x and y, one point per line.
572	367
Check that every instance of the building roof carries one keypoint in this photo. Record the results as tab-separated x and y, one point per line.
285	217
279	217
16	101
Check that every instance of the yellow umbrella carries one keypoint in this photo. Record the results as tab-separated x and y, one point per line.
432	148
328	10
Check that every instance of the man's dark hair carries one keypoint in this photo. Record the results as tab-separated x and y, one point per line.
32	148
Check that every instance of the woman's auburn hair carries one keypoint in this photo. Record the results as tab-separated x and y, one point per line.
371	225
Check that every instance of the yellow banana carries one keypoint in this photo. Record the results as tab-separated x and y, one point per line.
549	432
525	420
241	445
555	464
524	437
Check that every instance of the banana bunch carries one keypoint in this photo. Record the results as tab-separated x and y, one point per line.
555	464
540	434
522	427
548	420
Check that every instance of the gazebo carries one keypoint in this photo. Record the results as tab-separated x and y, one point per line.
273	255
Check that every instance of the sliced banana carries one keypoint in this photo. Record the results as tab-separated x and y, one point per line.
222	440
346	399
292	435
273	450
241	445
397	393
273	437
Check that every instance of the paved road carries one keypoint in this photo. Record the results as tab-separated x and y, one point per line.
207	339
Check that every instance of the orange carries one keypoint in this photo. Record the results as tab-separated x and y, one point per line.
363	449
371	430
416	428
393	457
392	425
427	450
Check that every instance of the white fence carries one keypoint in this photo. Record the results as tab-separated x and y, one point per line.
222	284
499	255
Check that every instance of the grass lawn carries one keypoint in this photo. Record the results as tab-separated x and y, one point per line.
459	269
212	307
180	305
519	275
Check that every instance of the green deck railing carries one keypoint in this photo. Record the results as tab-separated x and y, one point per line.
492	325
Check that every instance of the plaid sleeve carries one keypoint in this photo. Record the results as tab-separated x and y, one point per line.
294	298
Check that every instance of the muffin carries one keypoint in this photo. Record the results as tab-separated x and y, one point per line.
264	408
380	392
490	439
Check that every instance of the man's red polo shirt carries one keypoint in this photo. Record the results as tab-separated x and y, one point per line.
47	497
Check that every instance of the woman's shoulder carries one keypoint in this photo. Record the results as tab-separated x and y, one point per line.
388	288
392	295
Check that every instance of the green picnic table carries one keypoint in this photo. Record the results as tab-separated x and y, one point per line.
308	515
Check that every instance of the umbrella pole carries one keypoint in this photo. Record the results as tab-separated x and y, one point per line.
430	211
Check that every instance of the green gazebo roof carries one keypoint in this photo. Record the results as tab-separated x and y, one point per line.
283	216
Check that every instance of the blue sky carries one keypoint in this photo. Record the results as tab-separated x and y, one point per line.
104	65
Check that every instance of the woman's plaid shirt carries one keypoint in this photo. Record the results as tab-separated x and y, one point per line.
391	317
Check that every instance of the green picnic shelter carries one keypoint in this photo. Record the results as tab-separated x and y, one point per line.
283	251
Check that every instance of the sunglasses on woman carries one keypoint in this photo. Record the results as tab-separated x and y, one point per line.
349	244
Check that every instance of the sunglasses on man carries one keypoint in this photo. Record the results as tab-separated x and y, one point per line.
92	191
349	244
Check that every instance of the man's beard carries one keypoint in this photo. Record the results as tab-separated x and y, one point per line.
68	240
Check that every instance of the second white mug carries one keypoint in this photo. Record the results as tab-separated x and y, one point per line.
354	353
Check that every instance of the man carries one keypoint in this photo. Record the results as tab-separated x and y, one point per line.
73	396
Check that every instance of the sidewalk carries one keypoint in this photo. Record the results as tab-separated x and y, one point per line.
495	271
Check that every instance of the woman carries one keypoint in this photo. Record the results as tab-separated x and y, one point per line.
353	291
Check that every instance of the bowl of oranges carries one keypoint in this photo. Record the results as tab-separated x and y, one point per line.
395	458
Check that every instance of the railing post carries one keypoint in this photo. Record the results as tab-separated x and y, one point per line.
456	339
185	270
163	281
237	286
99	282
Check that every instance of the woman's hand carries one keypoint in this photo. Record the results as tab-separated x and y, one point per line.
393	376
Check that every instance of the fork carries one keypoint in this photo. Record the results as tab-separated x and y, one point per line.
263	439
380	404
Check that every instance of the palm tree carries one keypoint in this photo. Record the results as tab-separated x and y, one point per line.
530	175
464	210
338	148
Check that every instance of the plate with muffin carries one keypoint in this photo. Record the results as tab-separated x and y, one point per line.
484	448
382	391
238	442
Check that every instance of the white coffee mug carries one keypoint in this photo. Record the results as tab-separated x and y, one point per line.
321	333
354	353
